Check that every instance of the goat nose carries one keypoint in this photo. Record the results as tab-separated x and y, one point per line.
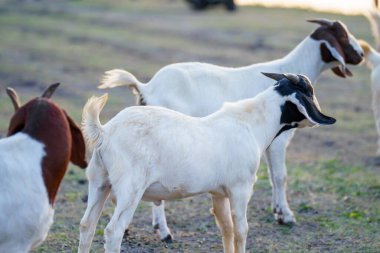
361	54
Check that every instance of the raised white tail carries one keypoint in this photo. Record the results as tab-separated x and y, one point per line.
118	77
91	126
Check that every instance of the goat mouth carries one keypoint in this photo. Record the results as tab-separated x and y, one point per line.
355	60
342	71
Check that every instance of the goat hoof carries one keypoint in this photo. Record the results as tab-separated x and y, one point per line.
290	224
167	239
126	233
286	221
284	218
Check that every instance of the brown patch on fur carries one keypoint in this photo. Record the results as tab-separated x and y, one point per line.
78	148
47	123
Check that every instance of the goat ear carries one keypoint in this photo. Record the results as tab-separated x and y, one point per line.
50	90
311	111
78	147
335	52
14	98
17	122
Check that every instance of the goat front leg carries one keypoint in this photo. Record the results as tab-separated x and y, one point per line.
239	198
159	222
99	189
222	212
275	156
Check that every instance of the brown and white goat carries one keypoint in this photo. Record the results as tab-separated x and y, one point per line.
41	141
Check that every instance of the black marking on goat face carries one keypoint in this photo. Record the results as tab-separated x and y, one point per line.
291	111
290	116
285	87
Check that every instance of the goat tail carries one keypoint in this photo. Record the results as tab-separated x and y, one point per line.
118	77
91	126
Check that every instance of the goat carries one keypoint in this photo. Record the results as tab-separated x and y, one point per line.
34	156
198	89
373	16
153	153
372	58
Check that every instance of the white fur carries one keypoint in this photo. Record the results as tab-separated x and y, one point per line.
373	61
198	89
373	16
153	153
26	214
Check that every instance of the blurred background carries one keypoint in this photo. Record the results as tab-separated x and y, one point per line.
334	174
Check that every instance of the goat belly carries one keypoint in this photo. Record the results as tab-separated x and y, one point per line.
157	192
26	214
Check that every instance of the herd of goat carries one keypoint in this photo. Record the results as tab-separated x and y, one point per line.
197	128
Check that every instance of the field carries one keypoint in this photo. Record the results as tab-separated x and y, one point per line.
334	174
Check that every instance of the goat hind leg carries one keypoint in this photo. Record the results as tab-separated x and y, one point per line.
96	199
99	189
128	199
159	222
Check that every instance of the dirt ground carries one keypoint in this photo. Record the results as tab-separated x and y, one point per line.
334	174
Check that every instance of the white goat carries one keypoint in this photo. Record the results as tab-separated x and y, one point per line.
372	58
153	153
41	141
198	89
373	16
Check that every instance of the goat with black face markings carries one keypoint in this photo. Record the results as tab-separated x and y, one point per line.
198	89
143	153
41	141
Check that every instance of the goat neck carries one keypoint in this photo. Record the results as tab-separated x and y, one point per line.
306	59
260	115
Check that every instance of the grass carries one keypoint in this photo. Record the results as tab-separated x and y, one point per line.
333	181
